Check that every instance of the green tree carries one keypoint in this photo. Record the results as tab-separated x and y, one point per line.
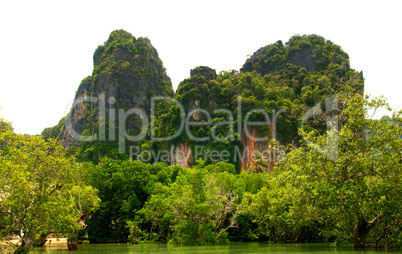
198	208
124	187
35	181
83	200
355	197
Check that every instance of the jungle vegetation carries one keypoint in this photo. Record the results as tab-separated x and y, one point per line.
306	196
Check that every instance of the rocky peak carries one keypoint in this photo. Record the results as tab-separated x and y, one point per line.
204	71
128	72
266	59
311	52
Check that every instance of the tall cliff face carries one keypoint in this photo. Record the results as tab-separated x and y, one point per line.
181	155
292	76
310	66
194	94
127	73
289	78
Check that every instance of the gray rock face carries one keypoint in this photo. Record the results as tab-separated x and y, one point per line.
303	58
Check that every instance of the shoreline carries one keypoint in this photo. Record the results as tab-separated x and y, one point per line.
51	241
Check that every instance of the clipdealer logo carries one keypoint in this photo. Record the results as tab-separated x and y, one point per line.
330	149
117	118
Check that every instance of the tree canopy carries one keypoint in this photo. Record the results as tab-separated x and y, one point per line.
41	189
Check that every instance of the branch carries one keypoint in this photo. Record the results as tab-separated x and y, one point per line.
233	224
29	206
372	223
385	233
7	211
72	202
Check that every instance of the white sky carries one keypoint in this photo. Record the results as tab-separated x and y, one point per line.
47	46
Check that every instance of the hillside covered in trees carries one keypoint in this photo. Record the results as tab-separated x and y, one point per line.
276	86
282	150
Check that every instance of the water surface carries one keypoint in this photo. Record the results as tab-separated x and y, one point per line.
232	248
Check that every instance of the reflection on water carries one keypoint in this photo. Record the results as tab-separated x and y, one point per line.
232	248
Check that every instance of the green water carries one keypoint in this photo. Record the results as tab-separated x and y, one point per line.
232	248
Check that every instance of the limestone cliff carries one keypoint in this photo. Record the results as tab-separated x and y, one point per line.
127	73
289	78
181	155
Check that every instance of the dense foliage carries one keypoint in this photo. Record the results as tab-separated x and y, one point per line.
41	189
308	198
353	198
288	78
340	192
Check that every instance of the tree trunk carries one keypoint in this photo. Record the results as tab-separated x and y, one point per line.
41	240
72	242
360	232
273	234
26	242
